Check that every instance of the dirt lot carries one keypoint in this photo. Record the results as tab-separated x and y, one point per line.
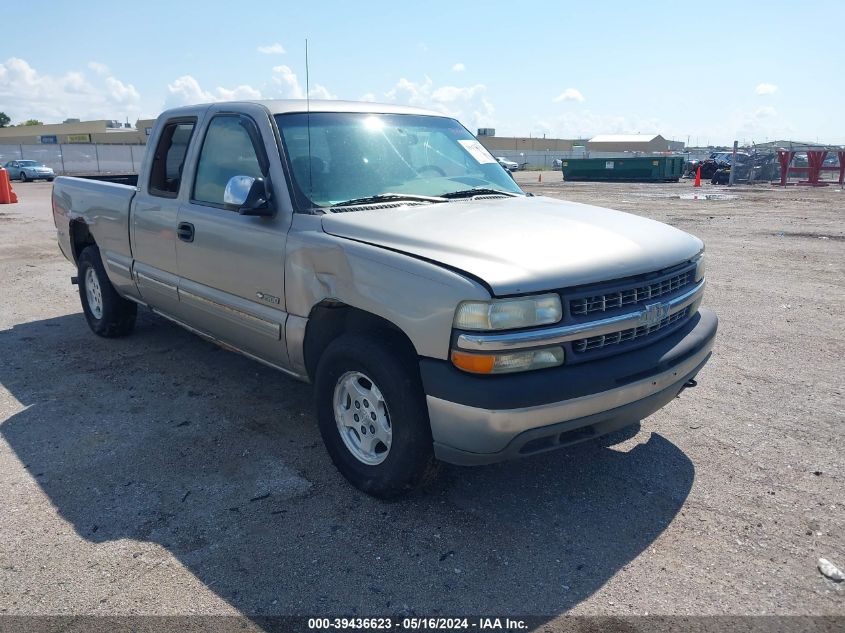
159	474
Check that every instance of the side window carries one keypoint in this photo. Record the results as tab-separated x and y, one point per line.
228	150
169	159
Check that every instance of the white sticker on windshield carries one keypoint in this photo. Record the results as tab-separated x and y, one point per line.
478	151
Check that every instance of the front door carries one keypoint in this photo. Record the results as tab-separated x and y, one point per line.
231	266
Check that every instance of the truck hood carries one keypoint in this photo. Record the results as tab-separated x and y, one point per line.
524	244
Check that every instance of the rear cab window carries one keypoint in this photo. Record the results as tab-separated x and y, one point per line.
169	158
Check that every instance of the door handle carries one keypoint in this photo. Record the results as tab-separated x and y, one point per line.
185	231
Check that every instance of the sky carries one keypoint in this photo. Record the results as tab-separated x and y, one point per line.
704	73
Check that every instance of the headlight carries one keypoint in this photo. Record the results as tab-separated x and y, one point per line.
508	362
699	267
508	314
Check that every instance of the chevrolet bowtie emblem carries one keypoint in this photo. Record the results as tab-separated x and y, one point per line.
654	313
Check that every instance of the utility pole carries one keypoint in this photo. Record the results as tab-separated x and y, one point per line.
733	167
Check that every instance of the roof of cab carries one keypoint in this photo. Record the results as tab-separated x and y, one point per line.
284	106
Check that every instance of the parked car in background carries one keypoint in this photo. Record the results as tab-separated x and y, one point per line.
26	170
507	164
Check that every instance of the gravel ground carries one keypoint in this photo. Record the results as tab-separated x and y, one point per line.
158	474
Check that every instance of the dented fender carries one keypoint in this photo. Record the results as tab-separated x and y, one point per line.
417	296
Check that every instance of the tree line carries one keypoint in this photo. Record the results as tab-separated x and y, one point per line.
5	121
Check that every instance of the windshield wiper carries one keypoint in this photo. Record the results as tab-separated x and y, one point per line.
478	191
388	197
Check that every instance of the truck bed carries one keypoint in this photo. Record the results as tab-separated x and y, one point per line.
122	179
104	208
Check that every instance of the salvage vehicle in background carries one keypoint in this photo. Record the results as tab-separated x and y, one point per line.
507	164
753	167
26	170
715	162
381	253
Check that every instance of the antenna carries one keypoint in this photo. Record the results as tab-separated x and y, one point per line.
308	123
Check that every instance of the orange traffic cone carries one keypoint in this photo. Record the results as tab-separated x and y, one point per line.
5	187
697	176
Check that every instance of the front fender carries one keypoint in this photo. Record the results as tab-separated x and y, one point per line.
418	297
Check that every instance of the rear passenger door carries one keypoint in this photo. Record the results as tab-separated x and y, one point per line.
231	266
155	215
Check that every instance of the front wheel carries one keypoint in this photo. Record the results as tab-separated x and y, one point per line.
108	314
23	177
372	415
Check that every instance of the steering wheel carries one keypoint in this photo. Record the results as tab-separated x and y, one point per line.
433	168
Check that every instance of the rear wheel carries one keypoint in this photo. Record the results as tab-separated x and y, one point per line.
108	314
372	415
23	177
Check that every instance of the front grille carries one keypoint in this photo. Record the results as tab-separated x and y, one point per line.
583	306
615	338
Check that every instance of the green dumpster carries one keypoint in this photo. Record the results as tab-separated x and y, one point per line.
634	169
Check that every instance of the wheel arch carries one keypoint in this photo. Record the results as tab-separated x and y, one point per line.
80	238
329	319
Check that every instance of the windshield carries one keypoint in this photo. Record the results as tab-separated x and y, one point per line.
350	156
29	163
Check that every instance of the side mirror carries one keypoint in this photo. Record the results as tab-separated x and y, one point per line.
247	196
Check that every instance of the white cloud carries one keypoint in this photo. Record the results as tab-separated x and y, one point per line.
758	124
459	67
469	104
586	124
186	90
121	92
26	93
449	94
99	68
369	96
321	92
243	92
570	94
272	49
288	86
766	89
287	82
75	83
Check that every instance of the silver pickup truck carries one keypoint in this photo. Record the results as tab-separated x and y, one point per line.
383	254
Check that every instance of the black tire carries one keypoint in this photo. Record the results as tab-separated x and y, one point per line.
23	177
116	314
410	461
50	180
